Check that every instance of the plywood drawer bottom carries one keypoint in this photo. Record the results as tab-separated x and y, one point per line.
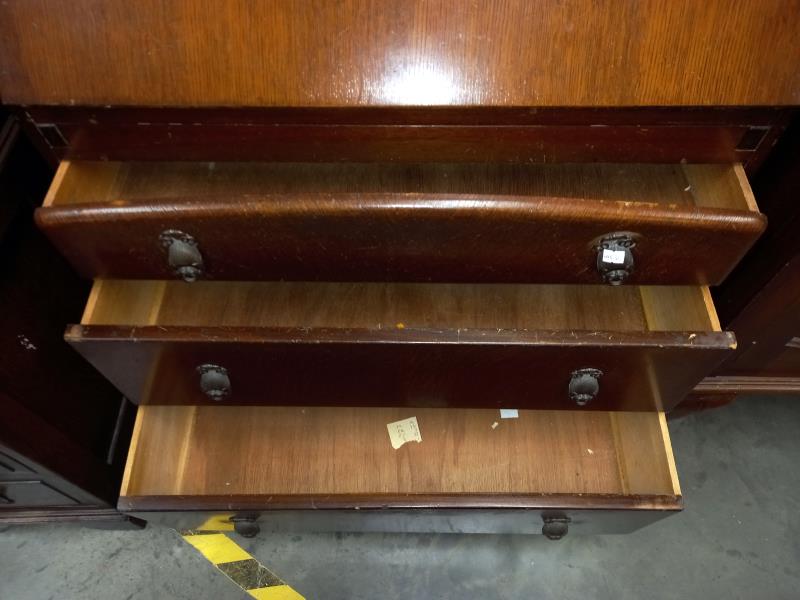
323	469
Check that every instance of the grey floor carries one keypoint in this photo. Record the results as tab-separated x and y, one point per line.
738	537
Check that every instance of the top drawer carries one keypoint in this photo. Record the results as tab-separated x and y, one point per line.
567	223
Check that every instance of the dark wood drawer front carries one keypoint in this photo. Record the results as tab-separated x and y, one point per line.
15	494
388	344
468	223
637	371
523	521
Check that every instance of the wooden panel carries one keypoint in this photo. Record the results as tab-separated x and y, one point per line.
381	306
88	517
776	185
327	458
400	305
503	223
63	460
746	384
370	53
672	308
768	326
434	134
596	518
102	182
57	414
400	344
409	368
719	186
761	298
92	181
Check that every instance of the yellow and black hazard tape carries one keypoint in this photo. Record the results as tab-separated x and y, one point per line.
241	568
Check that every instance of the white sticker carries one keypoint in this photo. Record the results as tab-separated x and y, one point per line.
614	257
404	431
509	413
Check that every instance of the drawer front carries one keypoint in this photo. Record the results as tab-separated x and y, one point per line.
581	224
555	523
334	469
16	494
387	344
401	367
400	239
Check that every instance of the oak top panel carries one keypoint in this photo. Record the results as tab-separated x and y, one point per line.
361	53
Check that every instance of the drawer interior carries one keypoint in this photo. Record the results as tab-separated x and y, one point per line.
717	186
401	306
304	457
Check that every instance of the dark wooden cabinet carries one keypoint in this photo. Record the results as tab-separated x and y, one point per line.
761	298
62	432
419	218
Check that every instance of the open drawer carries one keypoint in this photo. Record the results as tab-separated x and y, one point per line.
560	223
318	469
401	344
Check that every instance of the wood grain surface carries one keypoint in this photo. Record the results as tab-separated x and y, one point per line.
399	306
411	135
432	222
409	52
333	457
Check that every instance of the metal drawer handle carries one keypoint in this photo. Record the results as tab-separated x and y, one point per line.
183	255
614	256
584	385
214	381
555	528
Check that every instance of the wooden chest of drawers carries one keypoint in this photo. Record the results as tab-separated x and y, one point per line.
429	221
439	344
265	403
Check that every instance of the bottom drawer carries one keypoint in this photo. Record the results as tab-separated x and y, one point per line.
334	469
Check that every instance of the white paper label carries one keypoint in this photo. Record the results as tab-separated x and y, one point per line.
509	413
614	257
404	431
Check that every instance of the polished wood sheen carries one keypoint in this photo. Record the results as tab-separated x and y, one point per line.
408	52
262	458
411	135
432	345
423	222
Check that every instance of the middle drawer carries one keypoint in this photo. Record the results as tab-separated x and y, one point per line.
401	344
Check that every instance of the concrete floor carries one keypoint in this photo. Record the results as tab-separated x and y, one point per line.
738	537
